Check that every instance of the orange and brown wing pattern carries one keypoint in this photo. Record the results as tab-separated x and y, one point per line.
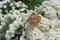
34	18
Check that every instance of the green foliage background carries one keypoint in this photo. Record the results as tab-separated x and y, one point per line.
31	3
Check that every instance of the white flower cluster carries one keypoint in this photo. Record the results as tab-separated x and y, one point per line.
14	18
20	19
49	27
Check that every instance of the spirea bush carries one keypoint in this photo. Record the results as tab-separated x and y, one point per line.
14	21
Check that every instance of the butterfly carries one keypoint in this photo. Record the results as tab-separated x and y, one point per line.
34	18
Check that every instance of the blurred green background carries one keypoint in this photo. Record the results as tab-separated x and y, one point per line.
31	3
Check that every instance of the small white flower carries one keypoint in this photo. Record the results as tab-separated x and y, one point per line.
17	12
11	4
20	2
1	3
0	27
15	24
22	9
4	6
7	37
23	5
9	34
11	27
13	8
3	24
17	4
22	38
